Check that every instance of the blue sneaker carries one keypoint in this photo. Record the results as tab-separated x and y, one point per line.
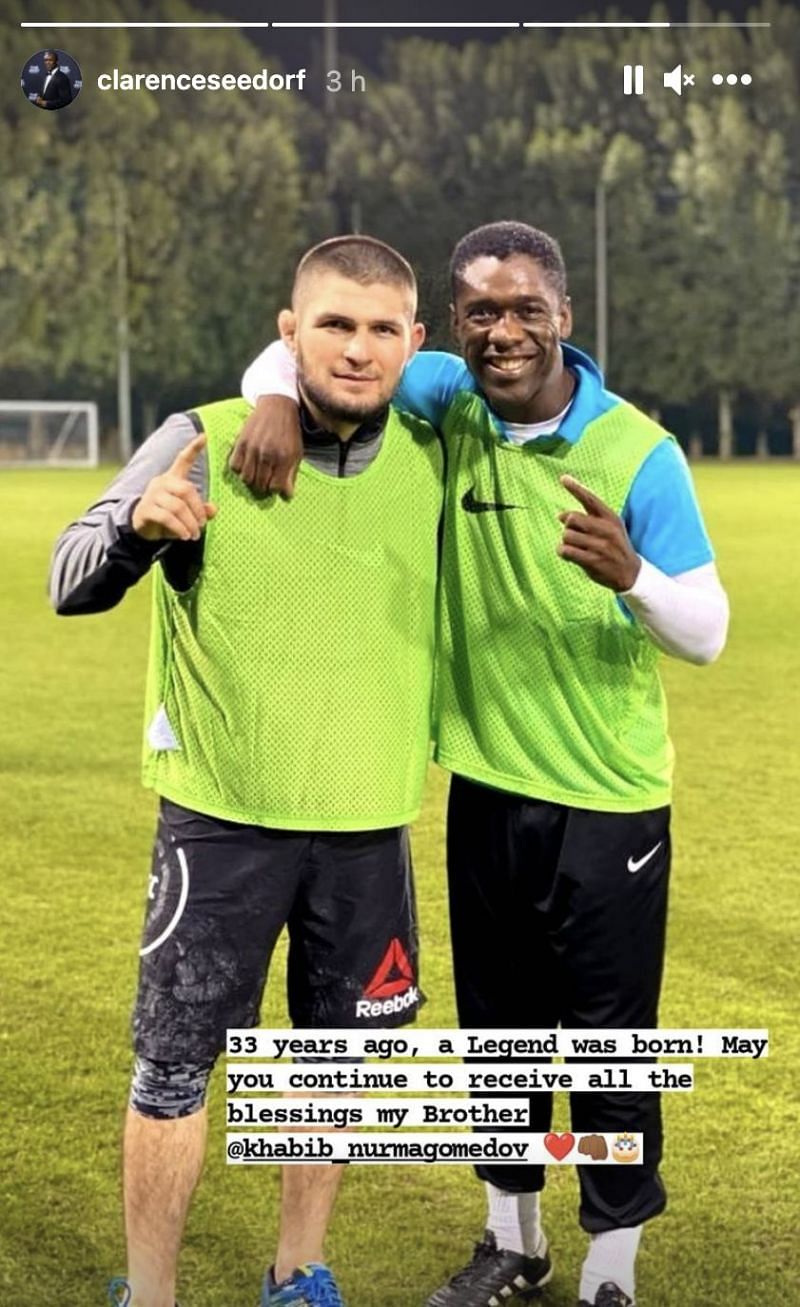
311	1285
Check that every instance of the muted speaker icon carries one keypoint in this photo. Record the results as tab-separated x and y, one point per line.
677	79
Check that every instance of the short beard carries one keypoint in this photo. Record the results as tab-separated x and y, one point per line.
330	408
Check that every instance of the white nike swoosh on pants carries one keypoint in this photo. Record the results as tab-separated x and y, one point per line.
637	866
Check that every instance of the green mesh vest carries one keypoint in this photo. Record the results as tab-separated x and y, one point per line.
545	687
291	685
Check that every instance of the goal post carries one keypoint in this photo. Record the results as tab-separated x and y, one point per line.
48	433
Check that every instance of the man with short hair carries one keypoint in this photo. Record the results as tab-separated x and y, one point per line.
550	712
56	87
288	734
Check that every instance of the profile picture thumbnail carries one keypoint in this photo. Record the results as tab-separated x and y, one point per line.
51	79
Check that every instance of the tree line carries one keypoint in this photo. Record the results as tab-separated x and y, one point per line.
188	211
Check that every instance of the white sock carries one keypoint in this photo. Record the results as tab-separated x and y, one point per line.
514	1221
611	1256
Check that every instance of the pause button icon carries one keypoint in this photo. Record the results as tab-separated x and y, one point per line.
633	79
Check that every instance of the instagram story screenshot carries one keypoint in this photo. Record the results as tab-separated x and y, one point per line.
399	473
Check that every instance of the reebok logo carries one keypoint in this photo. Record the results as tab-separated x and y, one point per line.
392	987
473	505
366	1008
637	866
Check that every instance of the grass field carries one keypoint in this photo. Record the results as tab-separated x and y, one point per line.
76	832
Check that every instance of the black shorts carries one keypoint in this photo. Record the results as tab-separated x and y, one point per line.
219	895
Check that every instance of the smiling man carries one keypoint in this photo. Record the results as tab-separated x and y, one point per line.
574	553
510	319
288	710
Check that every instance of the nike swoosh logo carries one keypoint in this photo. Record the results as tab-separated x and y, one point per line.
637	866
473	505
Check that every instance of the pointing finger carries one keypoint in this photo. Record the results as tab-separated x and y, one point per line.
182	465
590	501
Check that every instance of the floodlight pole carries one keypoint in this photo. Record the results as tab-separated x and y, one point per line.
601	274
330	49
123	334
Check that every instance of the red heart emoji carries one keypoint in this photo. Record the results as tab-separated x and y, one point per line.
559	1145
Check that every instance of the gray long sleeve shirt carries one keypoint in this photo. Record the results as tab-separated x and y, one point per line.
99	557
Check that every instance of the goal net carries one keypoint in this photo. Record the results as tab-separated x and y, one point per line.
44	433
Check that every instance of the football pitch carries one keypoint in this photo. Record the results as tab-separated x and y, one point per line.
76	832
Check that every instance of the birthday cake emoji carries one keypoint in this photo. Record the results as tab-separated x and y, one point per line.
625	1148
